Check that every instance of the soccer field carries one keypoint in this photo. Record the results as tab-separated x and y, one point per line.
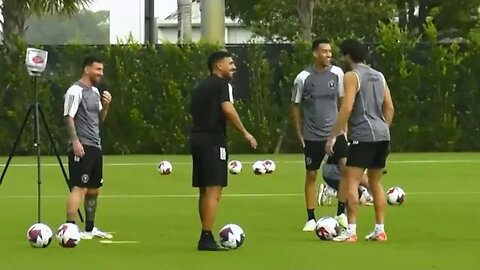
434	229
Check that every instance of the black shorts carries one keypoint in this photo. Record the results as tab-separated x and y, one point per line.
209	164
314	152
86	172
368	155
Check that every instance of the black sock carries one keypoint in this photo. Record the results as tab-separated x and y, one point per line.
89	224
70	221
341	208
310	214
206	236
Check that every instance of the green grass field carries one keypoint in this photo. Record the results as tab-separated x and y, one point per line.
434	229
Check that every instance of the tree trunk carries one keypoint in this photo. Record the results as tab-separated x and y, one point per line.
13	25
402	13
305	16
184	17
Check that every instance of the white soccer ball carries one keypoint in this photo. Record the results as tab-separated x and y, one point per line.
235	167
68	235
39	235
269	165
165	167
259	168
327	228
395	196
232	236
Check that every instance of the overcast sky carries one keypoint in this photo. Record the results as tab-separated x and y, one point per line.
163	8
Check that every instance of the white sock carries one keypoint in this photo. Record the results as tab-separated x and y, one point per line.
352	228
379	227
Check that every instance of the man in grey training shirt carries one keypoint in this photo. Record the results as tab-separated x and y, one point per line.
316	92
84	111
368	108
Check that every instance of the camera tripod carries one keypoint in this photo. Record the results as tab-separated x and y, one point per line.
38	114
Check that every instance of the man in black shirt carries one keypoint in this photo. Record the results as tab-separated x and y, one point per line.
211	107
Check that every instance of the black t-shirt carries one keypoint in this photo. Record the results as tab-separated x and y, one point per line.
206	108
340	150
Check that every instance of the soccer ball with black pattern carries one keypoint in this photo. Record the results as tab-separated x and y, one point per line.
68	235
234	167
165	168
259	168
232	236
269	166
395	196
39	235
327	228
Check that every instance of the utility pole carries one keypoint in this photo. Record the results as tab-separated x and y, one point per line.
213	21
151	35
184	11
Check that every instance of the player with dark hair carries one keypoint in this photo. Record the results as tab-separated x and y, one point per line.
316	92
84	111
211	106
368	108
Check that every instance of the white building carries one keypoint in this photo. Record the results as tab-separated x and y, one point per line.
235	32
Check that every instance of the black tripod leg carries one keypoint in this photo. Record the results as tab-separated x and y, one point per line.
17	140
54	147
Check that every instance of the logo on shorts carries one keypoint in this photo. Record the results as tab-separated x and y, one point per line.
355	142
85	178
308	161
223	153
331	84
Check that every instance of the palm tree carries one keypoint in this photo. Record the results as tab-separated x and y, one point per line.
15	13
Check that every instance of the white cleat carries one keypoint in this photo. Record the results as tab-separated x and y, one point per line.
321	194
324	197
96	233
342	220
310	226
346	236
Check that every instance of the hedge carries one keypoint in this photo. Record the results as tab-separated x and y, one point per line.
435	88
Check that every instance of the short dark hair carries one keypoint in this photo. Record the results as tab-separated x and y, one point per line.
89	60
319	41
354	48
215	57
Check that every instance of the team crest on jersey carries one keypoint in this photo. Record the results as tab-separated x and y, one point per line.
331	84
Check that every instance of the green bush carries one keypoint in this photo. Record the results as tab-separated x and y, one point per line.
434	86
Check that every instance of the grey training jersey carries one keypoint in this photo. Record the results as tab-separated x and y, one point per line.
331	171
84	105
367	122
318	93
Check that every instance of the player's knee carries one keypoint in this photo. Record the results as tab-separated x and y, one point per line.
92	192
78	191
311	175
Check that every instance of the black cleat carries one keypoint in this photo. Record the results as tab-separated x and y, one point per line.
210	246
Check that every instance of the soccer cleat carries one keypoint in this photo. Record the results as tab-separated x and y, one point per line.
321	194
310	226
210	246
346	236
331	192
376	236
324	198
342	220
86	235
96	233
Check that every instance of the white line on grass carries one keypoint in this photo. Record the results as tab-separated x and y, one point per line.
251	162
153	196
118	242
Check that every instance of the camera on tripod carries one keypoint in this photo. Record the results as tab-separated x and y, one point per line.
36	61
